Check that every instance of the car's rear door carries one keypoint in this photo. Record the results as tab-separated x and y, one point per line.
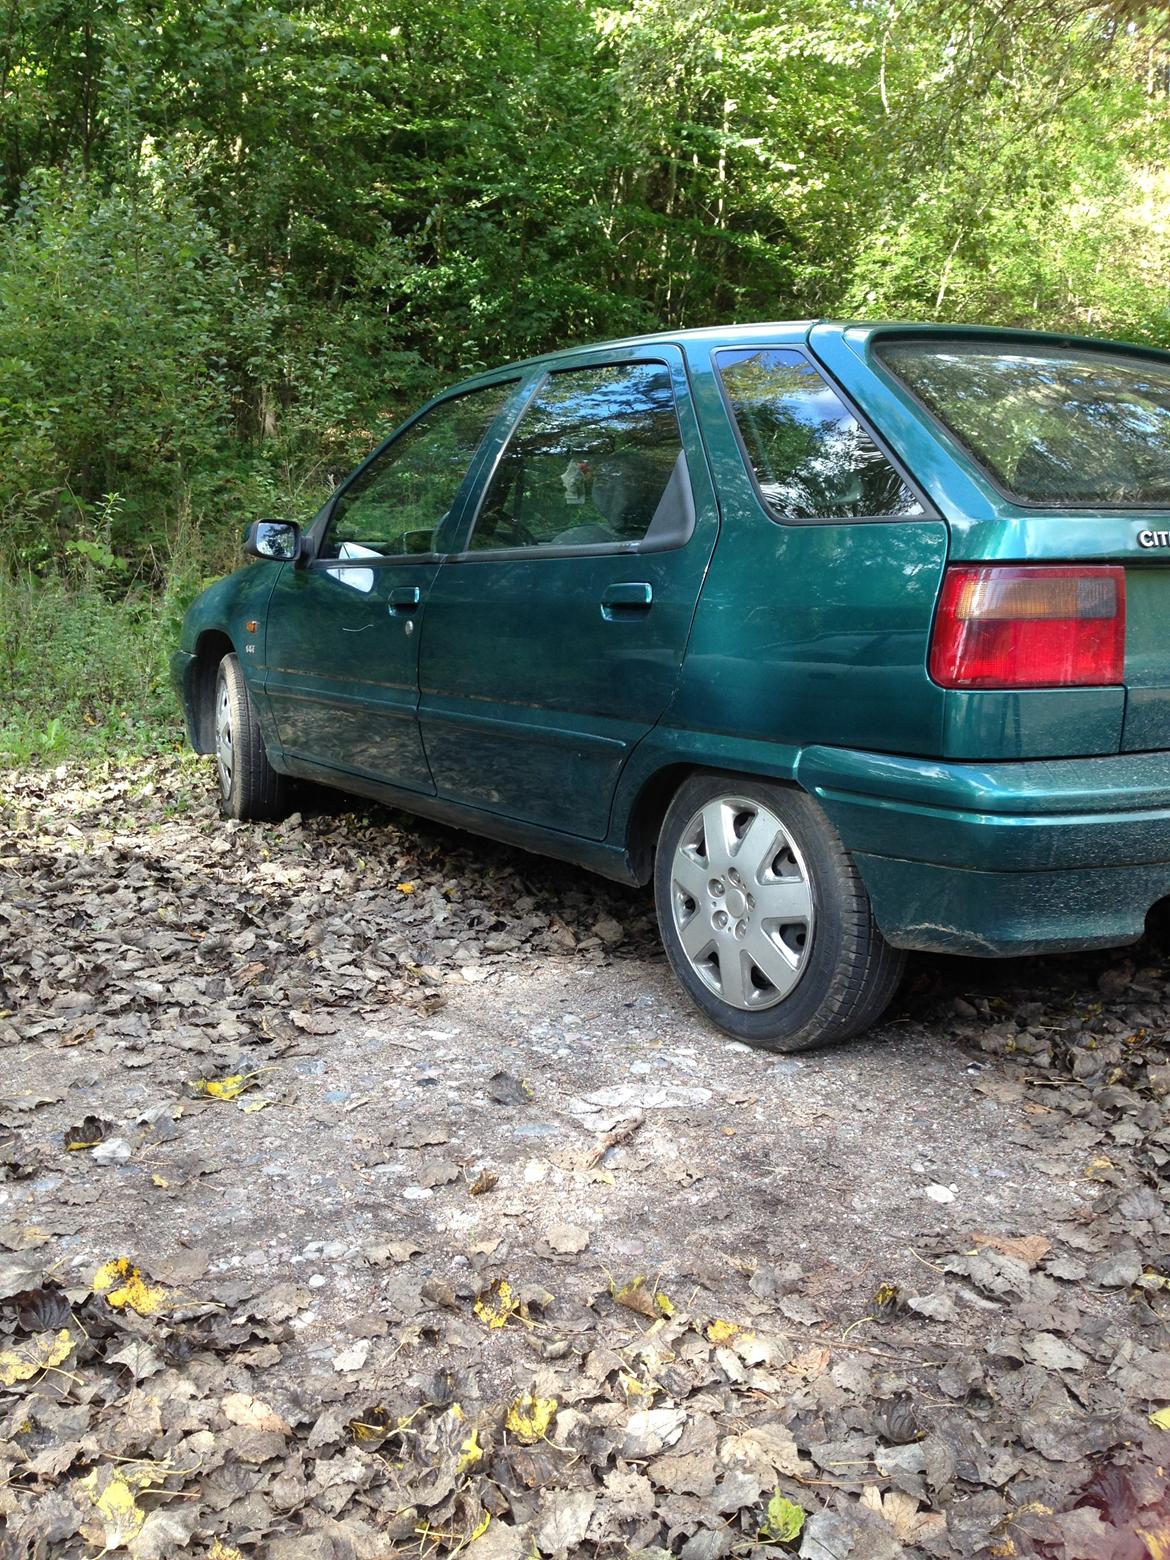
342	634
553	640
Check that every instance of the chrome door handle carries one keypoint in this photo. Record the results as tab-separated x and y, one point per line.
403	600
627	599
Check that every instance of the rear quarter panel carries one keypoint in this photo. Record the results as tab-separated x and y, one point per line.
983	526
809	632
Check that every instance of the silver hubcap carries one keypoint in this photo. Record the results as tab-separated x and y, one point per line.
224	756
742	903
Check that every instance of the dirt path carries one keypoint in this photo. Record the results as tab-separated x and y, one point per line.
395	1128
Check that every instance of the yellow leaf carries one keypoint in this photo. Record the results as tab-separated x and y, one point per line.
122	1516
497	1305
160	1180
229	1088
480	1528
406	888
721	1332
123	1285
249	1107
636	1297
221	1551
1161	1418
40	1353
112	1493
1156	1540
529	1418
470	1453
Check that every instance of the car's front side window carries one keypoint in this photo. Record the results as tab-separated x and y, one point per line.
394	506
811	458
595	461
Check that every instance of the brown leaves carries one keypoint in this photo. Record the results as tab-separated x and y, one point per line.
1028	1249
87	1134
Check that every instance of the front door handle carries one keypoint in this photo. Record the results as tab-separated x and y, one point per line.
629	598
403	600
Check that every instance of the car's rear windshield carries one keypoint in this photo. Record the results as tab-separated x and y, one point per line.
1070	427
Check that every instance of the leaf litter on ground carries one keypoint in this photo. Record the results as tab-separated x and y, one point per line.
1005	1392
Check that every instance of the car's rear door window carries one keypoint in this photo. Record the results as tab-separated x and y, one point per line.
395	504
1071	427
811	458
596	461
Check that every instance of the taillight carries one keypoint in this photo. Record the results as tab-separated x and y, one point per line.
1017	626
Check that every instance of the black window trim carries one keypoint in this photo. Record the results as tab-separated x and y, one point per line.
551	550
929	512
980	468
325	518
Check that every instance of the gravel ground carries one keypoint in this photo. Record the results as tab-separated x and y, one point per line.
397	1137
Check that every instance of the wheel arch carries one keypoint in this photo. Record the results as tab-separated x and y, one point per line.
655	795
210	648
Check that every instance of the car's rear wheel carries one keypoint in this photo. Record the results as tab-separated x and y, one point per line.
764	917
249	788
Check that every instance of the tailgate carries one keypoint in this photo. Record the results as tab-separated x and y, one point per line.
1147	657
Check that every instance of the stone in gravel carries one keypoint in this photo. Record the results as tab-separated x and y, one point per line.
114	1151
504	1089
353	1358
939	1194
938	1307
567	1238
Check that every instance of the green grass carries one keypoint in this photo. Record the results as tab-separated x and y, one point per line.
83	669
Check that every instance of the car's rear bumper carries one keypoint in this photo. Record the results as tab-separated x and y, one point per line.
1002	858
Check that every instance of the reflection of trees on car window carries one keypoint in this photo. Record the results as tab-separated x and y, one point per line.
1055	426
397	503
589	461
811	457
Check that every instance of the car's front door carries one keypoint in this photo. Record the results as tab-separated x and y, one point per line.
553	640
342	635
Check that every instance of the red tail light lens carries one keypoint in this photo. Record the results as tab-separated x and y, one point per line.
1001	626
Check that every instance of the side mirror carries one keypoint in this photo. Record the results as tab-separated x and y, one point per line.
279	540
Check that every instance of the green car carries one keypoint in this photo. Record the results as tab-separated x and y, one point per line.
852	638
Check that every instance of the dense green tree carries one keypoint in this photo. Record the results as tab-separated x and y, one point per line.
238	238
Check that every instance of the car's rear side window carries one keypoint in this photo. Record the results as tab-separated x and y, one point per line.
1071	427
811	458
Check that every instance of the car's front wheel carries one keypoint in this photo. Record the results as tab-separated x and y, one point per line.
764	917
249	788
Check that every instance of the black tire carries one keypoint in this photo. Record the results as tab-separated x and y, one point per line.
846	971
249	788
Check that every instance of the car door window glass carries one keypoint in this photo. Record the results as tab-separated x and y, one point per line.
811	457
596	460
397	503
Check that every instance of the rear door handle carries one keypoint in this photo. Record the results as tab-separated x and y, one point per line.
630	598
403	600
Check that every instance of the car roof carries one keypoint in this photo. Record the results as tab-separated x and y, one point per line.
760	331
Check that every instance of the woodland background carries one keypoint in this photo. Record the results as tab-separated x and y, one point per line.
238	242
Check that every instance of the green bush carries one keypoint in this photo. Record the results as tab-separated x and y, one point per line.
82	667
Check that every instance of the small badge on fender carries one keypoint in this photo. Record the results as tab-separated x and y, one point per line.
1154	538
